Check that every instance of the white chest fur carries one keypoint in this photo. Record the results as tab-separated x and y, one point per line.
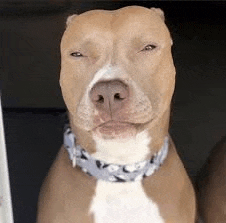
123	203
126	202
123	151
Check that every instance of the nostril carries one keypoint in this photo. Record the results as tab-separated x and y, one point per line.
117	96
100	99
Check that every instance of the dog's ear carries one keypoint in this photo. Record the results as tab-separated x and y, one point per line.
70	19
159	12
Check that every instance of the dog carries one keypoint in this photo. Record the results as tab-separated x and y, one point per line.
211	186
118	162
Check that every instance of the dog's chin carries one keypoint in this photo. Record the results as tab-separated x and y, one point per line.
115	130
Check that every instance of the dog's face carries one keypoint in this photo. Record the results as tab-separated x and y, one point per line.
117	72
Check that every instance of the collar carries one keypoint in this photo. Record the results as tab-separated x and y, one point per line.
108	171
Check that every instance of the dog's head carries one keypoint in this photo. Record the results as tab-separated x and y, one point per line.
117	72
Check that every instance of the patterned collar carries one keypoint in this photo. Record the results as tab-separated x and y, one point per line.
112	172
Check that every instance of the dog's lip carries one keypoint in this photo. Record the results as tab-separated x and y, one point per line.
115	129
114	124
119	124
118	129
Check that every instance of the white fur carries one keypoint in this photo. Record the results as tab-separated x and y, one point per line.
123	151
123	203
107	72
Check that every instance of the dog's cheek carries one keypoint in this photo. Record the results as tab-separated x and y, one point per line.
68	95
73	80
69	90
166	85
159	87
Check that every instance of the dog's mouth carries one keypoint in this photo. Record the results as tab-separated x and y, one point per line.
117	129
112	129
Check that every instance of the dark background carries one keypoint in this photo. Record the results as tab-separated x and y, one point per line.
32	103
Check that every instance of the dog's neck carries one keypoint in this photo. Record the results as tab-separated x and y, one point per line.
123	151
113	172
147	142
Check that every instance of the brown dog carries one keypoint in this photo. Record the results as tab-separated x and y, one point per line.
212	184
117	79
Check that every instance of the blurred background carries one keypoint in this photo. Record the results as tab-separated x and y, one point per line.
33	107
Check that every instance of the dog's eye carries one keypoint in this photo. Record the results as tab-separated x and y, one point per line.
76	54
149	47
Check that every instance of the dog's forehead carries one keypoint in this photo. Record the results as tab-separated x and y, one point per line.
134	17
122	13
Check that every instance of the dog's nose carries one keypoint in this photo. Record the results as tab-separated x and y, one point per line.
109	96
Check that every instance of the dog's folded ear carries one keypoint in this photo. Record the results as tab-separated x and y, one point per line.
70	19
159	12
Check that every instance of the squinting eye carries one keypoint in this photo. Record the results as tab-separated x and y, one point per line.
76	54
149	47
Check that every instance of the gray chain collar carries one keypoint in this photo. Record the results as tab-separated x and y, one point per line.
112	172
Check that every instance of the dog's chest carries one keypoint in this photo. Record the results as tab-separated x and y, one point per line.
123	203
